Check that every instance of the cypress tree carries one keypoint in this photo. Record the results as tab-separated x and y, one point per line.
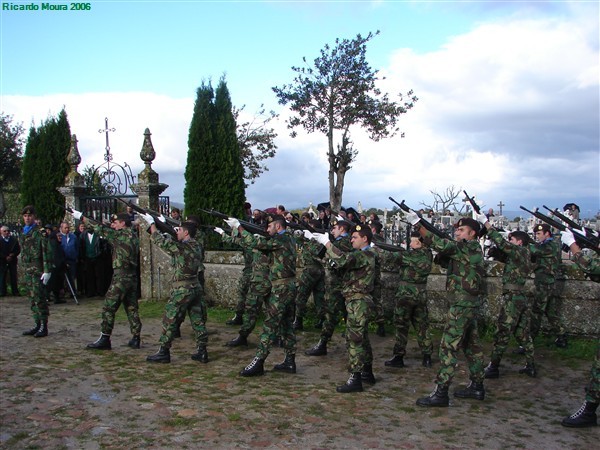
45	167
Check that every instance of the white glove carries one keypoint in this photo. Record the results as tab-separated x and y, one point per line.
481	218
45	277
232	222
148	218
321	238
162	218
298	233
340	218
308	234
567	237
220	231
77	214
412	217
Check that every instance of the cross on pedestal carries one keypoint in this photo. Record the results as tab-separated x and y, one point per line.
108	156
500	205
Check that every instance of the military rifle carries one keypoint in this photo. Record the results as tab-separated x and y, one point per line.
251	227
424	223
92	221
162	227
473	203
589	233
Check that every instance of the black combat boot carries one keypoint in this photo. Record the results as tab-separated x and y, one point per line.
439	397
201	354
43	331
235	320
177	332
135	341
492	370
255	368
238	341
288	365
583	417
380	330
396	361
103	343
426	361
529	370
320	349
366	374
34	330
473	390
561	341
354	384
519	351
163	355
298	323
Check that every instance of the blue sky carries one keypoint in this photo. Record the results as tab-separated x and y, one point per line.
509	91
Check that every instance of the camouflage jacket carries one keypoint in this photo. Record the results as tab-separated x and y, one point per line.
414	265
547	259
281	251
518	264
36	254
235	238
125	248
309	252
358	271
589	264
186	257
256	263
465	273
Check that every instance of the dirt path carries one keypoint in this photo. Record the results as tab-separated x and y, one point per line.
56	394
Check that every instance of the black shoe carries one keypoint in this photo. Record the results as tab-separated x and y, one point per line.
473	390
201	354
288	365
235	320
298	324
43	331
380	330
320	349
583	417
134	342
491	371
34	330
103	343
366	375
255	368
529	370
561	341
354	384
396	361
163	355
426	361
519	351
439	397
237	342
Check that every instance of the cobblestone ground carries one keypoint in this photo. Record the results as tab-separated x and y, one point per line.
56	394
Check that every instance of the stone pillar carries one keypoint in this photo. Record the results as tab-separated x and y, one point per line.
148	189
74	187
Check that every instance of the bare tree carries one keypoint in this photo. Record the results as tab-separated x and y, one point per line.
446	200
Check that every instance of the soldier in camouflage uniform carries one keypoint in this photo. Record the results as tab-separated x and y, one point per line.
411	298
585	416
279	307
186	294
259	287
514	314
379	312
311	279
243	287
357	290
123	287
334	300
36	260
464	284
547	256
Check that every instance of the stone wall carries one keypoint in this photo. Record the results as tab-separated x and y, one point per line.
580	297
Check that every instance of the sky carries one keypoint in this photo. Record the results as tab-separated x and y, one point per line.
508	109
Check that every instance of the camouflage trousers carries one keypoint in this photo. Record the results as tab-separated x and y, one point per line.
378	314
593	389
35	291
123	289
333	307
310	281
460	332
258	292
242	291
184	300
411	307
279	318
357	333
545	303
513	319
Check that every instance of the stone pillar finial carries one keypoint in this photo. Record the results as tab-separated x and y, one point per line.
74	187
147	154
